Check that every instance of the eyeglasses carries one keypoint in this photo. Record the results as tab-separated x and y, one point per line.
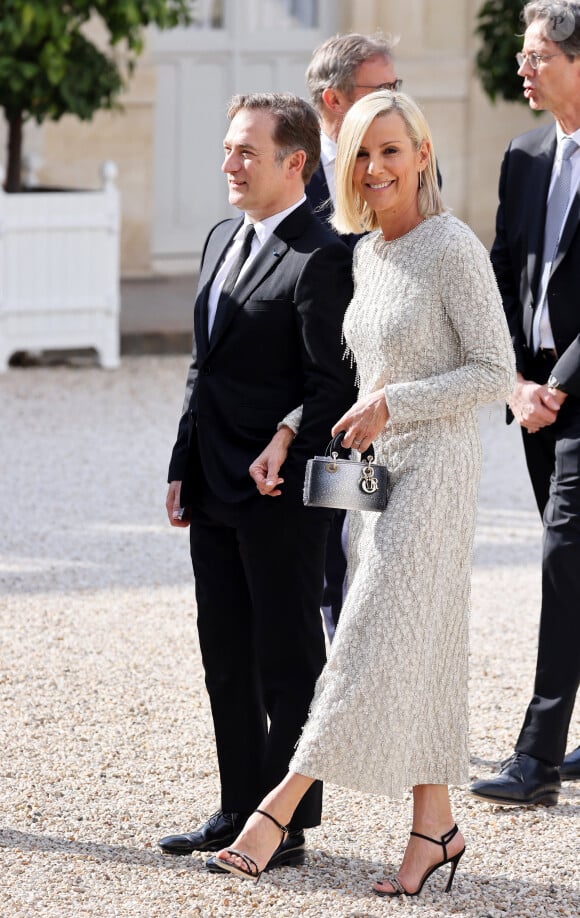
534	59
394	87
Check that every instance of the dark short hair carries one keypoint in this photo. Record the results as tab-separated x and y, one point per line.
296	124
561	21
335	63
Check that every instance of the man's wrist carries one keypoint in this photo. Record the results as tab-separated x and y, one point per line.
555	384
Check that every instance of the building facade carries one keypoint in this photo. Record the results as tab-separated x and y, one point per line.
167	142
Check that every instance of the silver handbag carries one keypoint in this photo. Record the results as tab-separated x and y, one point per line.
344	483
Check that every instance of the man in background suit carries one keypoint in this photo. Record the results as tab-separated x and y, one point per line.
343	69
536	256
263	344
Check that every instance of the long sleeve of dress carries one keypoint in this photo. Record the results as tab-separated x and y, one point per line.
470	298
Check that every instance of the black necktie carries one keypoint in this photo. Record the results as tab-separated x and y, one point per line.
234	273
232	277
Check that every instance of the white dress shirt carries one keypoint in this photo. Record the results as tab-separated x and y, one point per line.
328	160
264	229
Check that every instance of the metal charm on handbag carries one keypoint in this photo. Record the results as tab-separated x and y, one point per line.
345	483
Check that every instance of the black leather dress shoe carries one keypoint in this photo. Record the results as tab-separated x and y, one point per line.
220	830
570	767
291	853
522	781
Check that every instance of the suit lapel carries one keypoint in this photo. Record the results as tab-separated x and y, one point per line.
268	258
318	194
265	261
217	247
540	176
570	229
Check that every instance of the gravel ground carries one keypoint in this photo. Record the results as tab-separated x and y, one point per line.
106	739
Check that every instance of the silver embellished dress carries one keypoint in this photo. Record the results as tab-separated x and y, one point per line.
426	322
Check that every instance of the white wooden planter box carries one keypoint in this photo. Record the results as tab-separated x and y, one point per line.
59	270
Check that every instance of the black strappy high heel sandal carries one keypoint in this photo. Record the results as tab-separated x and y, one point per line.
399	889
250	871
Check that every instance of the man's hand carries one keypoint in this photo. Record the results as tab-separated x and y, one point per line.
266	467
173	505
364	421
535	406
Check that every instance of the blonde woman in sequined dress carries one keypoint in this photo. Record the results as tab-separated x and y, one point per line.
427	330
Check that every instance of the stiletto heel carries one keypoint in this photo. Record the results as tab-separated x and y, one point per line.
399	889
454	861
250	870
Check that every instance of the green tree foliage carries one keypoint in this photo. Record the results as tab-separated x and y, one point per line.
50	67
500	27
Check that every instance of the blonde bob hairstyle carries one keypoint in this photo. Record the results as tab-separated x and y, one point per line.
352	214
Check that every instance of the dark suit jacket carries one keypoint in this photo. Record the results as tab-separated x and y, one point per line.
277	346
318	194
517	255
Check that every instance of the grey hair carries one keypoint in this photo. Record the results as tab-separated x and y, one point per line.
335	62
561	21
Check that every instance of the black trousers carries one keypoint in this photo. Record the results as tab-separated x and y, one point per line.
335	571
553	460
258	569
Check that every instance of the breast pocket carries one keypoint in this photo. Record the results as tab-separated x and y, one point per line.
267	333
273	306
270	317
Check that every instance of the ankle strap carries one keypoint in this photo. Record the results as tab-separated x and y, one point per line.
283	829
445	839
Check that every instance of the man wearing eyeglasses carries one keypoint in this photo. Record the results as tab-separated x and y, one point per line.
536	256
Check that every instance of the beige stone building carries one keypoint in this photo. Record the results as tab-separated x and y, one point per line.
167	141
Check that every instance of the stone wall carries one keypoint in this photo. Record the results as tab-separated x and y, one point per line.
73	150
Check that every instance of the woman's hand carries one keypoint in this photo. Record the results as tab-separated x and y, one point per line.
364	421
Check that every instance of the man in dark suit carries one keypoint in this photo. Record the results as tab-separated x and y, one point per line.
536	256
264	343
343	69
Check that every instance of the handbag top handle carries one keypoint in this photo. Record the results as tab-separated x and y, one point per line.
336	449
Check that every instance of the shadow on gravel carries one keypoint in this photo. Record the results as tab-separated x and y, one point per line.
95	556
473	895
485	763
26	841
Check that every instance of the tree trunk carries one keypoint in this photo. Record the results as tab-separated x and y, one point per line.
13	176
